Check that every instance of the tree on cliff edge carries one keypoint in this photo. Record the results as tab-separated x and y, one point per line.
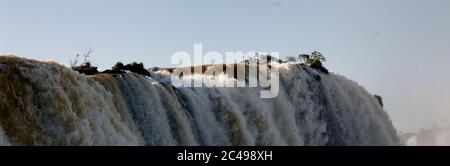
85	67
315	60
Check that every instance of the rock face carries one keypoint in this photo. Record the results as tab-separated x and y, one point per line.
44	103
86	69
380	100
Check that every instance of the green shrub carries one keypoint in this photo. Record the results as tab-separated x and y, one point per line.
315	61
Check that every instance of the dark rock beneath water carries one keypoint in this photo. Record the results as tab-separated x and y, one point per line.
317	77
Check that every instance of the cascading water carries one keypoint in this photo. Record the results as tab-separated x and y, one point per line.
44	103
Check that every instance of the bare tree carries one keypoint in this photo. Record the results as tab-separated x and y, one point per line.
86	56
74	62
86	60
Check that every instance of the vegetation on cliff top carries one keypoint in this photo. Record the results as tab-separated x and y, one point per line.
86	66
134	67
314	60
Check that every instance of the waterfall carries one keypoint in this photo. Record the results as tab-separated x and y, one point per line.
45	103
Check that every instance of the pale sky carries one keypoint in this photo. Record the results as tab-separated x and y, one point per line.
399	49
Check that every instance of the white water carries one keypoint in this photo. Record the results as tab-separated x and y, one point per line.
43	103
3	140
436	136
